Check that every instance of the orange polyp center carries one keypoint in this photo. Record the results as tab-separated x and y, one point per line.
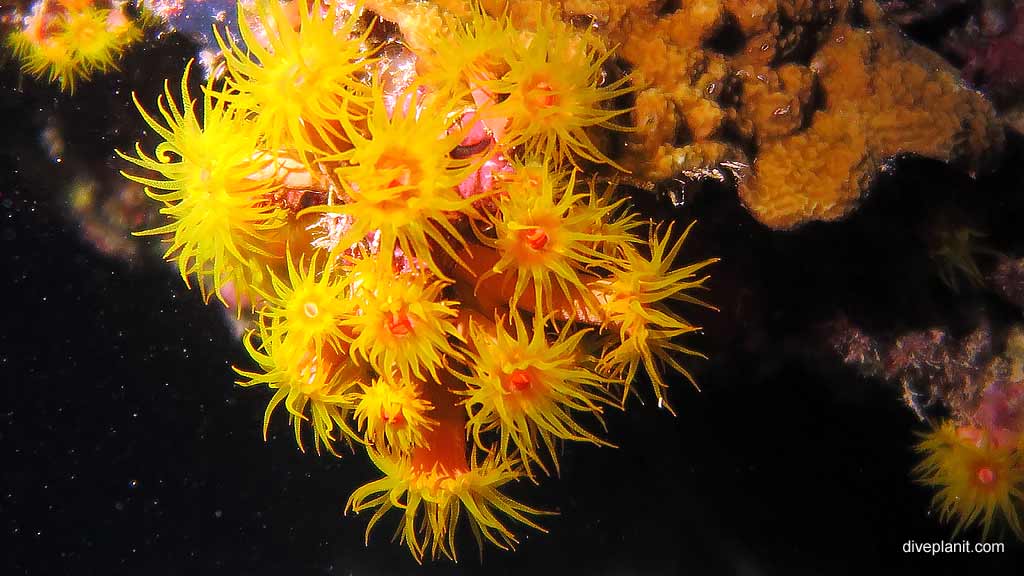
396	421
535	238
518	381
986	475
398	323
310	309
540	95
401	179
86	34
396	162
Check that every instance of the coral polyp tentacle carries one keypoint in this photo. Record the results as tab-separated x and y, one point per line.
641	327
469	51
216	191
303	380
309	305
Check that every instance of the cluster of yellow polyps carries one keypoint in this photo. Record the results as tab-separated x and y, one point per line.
434	280
67	41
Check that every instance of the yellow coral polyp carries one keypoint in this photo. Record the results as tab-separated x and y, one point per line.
221	218
75	43
468	52
87	31
545	237
527	387
976	480
401	323
954	256
635	309
300	80
304	381
400	179
310	305
434	487
392	415
48	58
553	92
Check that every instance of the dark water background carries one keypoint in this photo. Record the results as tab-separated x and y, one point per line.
127	449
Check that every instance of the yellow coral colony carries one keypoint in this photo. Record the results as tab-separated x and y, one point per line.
67	42
435	281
